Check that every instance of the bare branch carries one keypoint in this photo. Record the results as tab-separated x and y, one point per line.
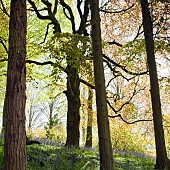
136	121
45	63
128	101
2	41
123	67
50	15
115	12
46	32
32	10
37	11
116	43
71	18
139	32
4	9
79	2
82	27
87	84
55	7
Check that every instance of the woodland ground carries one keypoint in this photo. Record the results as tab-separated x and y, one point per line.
48	157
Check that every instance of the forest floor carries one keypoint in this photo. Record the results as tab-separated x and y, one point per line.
48	157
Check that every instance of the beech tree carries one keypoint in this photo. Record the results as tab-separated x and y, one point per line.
105	147
72	61
14	108
162	161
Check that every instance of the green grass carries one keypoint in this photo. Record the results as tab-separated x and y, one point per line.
46	157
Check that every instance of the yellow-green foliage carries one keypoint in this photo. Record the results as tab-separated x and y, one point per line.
73	49
123	139
56	133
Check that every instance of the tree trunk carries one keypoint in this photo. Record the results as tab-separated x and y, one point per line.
51	119
73	98
90	118
105	147
15	136
162	161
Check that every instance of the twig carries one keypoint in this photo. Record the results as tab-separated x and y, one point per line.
3	44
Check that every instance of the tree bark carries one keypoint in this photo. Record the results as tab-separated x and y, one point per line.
73	98
162	161
15	136
105	147
90	118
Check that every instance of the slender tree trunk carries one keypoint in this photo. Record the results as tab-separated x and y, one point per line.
90	118
51	119
73	97
162	161
105	147
30	118
15	136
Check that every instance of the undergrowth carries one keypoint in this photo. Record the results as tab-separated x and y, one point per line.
46	157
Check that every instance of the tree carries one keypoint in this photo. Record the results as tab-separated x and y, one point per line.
73	81
162	161
105	147
15	139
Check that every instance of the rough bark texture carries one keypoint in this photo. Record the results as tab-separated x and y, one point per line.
162	160
15	137
90	118
73	97
105	148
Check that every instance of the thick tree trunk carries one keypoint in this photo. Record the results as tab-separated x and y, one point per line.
90	118
162	161
105	147
15	136
73	97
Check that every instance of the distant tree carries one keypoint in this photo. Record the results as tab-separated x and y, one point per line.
162	161
90	118
15	136
105	147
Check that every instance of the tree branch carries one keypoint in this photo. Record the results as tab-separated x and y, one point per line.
139	32
50	15
115	12
37	11
128	101
136	121
87	84
3	44
48	25
82	27
116	43
4	9
123	67
45	63
71	18
55	7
